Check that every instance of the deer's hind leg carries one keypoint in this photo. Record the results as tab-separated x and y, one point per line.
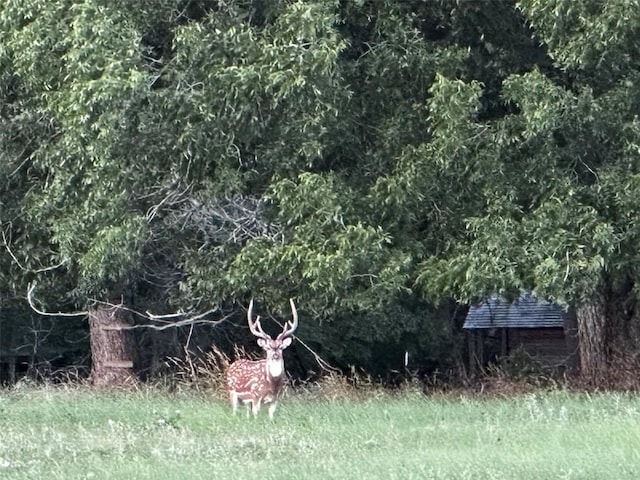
233	397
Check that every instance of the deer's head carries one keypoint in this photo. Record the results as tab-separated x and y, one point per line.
273	346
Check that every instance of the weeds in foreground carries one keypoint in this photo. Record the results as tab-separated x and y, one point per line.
202	373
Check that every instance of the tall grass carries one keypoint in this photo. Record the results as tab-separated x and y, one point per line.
76	433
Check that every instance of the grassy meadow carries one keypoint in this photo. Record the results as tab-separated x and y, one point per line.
76	433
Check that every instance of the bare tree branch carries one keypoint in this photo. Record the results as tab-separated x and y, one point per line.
6	246
192	318
231	219
6	242
172	197
322	363
195	320
32	287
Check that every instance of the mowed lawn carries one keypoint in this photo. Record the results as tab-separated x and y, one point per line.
76	433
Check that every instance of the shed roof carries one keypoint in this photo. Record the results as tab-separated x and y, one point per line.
526	312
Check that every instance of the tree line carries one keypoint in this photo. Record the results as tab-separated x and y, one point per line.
384	163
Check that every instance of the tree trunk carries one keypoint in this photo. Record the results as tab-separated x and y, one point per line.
111	347
592	339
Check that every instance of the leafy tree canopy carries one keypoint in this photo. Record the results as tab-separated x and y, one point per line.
364	157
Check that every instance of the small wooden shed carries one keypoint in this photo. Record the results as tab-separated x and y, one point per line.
543	330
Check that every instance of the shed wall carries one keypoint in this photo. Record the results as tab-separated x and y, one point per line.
549	344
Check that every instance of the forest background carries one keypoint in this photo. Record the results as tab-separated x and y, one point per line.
384	163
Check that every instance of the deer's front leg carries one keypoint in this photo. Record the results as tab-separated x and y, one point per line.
272	409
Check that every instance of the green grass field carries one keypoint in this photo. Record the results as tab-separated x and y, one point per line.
75	433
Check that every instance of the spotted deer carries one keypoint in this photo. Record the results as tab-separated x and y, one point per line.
261	382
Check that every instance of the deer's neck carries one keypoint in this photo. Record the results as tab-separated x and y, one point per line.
274	368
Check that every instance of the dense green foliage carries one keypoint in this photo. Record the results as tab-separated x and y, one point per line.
377	160
78	434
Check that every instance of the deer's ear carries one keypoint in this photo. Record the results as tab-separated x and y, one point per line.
286	342
262	342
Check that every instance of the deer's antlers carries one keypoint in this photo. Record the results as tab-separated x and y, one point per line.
256	327
291	326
